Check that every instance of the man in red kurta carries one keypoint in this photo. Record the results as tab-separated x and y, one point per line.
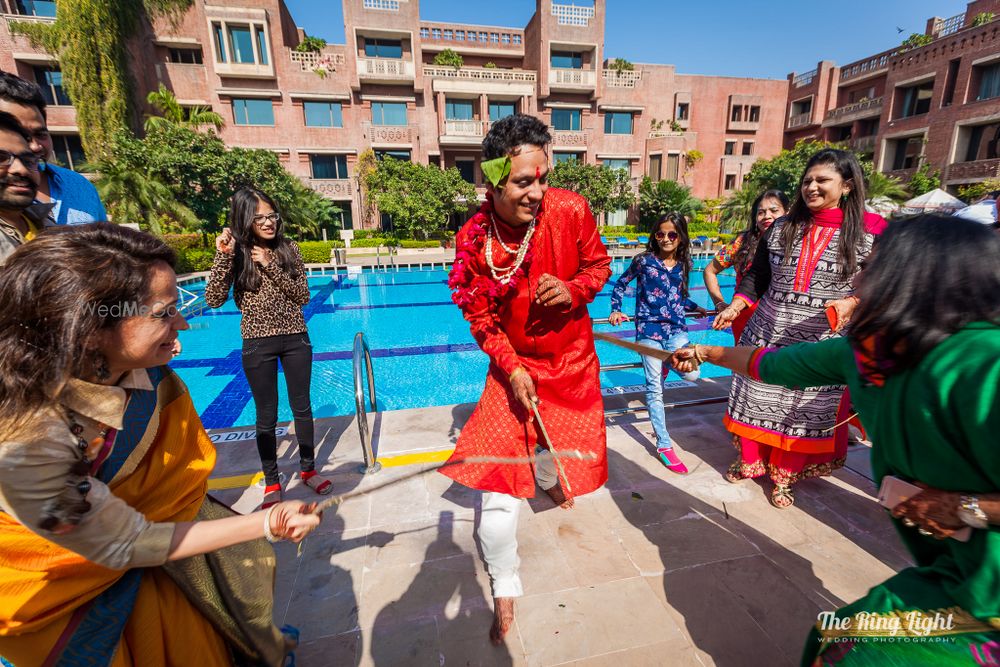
527	264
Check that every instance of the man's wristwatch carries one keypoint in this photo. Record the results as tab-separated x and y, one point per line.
971	514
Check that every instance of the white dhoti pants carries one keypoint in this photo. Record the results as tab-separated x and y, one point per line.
498	530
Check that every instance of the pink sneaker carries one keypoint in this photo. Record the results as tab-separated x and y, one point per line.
670	460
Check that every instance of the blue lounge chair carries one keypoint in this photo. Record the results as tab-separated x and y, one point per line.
644	239
625	242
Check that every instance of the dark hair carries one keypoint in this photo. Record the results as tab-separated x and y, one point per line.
51	295
242	209
11	124
15	89
508	133
931	275
751	235
683	252
852	231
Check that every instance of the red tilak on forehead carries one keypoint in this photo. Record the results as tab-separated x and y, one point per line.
538	173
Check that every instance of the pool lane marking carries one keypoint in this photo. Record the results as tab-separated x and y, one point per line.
396	460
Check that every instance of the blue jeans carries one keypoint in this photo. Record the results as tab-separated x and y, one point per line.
654	384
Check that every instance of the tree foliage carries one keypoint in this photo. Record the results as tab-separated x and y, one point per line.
659	198
916	40
924	180
172	113
976	191
606	189
419	198
90	38
620	65
449	58
310	45
135	195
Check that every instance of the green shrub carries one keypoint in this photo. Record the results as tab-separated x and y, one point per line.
318	252
409	243
191	260
696	229
625	230
374	242
185	241
726	238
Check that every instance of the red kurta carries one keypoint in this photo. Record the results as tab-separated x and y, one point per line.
555	345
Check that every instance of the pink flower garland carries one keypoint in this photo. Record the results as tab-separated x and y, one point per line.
468	286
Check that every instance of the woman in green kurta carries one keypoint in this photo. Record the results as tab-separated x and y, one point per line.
922	363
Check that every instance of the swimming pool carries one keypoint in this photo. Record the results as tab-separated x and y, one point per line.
422	352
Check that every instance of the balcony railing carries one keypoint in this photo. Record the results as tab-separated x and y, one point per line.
949	26
863	144
562	138
799	120
465	128
804	79
572	14
391	134
482	74
851	112
385	69
656	134
311	61
902	174
332	188
876	63
572	78
970	171
622	79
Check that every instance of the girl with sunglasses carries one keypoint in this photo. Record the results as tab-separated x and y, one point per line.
661	302
268	278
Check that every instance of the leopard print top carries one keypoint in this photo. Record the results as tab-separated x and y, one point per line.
273	310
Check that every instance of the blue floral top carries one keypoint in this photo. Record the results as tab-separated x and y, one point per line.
659	306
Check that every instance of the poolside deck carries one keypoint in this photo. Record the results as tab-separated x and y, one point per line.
654	569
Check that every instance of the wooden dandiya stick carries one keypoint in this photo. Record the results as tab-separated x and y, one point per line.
552	450
645	351
337	500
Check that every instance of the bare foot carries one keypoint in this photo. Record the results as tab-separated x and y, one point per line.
503	618
559	498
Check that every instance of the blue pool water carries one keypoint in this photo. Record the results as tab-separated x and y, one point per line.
422	352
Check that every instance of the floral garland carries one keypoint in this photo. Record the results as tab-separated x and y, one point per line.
469	286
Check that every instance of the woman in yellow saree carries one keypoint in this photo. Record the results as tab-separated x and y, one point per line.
111	553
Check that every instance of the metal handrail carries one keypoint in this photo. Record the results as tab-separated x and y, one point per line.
362	355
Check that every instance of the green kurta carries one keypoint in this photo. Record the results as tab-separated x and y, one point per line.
938	423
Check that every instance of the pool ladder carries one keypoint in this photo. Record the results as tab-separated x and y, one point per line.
362	359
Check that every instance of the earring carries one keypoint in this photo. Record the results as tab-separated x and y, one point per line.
101	371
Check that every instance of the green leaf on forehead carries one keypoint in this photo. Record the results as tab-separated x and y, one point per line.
496	170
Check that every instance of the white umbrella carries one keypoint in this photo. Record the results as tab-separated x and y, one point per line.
881	205
935	200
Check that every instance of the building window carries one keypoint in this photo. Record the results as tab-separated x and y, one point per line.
447	35
730	182
467	169
383	48
46	8
395	155
566	119
655	166
190	56
495	37
323	114
673	167
516	39
989	82
500	110
505	38
329	166
617	164
754	116
567	60
737	114
253	112
346	217
388	113
241	45
800	107
984	142
68	150
949	82
436	33
458	110
425	33
484	38
747	148
730	148
915	100
459	35
907	154
565	157
683	110
50	80
261	47
220	43
618	122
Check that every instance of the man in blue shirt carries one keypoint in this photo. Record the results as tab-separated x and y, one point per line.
74	198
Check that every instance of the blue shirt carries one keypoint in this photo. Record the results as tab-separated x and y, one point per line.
75	198
659	305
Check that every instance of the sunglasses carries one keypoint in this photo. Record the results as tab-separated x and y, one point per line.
670	236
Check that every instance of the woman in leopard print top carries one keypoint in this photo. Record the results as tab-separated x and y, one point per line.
268	278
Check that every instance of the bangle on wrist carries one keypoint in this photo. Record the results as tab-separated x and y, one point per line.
697	355
268	535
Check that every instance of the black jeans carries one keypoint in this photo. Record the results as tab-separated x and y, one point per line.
260	363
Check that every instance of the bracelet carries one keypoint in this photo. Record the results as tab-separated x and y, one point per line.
268	535
519	369
697	355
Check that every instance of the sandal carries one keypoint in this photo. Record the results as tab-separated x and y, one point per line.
781	496
670	459
272	495
317	482
734	474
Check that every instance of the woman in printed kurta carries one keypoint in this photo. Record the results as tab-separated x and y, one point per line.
924	374
661	305
805	261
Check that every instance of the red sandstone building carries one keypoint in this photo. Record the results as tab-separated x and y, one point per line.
937	104
381	90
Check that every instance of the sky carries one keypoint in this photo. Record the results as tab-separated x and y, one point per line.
748	38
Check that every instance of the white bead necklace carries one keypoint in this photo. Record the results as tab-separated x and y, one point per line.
505	274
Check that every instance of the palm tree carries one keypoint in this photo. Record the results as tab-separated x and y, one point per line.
135	195
889	187
736	209
172	113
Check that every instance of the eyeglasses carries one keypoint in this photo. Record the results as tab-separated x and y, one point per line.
259	220
29	160
670	236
